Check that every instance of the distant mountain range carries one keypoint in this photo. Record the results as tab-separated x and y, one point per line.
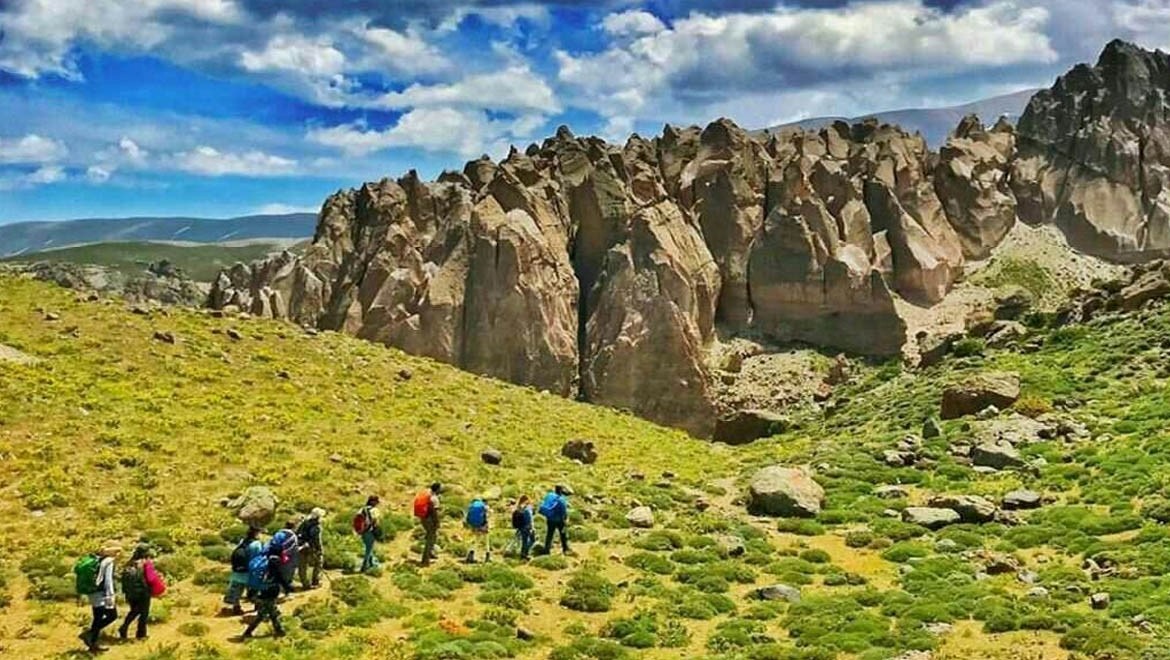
22	237
935	124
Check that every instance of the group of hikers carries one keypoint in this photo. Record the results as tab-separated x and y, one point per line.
262	571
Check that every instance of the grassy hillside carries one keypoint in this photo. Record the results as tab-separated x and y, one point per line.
200	262
114	435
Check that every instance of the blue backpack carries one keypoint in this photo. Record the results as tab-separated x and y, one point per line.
258	573
477	514
553	507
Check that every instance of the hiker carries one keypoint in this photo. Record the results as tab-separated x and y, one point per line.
140	583
367	524
95	579
312	553
555	509
284	544
478	516
426	509
265	581
522	522
243	553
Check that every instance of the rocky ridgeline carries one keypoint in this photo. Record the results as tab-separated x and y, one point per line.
160	282
606	272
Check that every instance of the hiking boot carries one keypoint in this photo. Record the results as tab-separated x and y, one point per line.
237	610
122	633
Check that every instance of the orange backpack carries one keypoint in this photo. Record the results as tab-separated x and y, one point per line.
422	504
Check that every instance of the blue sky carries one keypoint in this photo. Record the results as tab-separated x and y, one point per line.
225	107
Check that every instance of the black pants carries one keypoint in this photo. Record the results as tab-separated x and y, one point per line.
556	526
265	609
139	609
102	617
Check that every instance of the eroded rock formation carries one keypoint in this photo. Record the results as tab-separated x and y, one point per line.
606	272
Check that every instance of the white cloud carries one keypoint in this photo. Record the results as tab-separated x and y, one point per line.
98	174
278	208
633	23
208	161
401	51
295	53
514	88
703	57
464	132
46	174
31	148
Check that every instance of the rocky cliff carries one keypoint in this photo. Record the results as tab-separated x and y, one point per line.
605	272
1094	155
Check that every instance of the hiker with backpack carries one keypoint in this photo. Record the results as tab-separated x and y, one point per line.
426	509
243	553
522	522
265	582
312	553
140	583
555	509
285	545
95	580
478	516
366	524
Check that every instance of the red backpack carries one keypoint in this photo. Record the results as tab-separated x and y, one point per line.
362	521
422	504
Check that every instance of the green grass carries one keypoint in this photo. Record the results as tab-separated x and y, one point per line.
113	435
199	262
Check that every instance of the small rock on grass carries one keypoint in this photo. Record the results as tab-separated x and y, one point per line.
641	517
779	592
492	456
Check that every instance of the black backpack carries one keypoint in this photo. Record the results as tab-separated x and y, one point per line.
308	531
519	519
240	557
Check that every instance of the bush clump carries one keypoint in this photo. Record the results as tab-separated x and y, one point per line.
588	591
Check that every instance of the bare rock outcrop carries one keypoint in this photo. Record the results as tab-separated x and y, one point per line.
1094	155
972	181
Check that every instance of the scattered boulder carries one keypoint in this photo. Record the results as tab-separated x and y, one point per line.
1099	601
999	389
744	426
234	334
786	492
164	337
930	517
13	356
492	456
971	508
582	451
931	428
1021	499
999	456
998	564
778	592
891	492
641	517
256	506
1013	302
1037	593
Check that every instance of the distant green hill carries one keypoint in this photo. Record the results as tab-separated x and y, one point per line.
199	262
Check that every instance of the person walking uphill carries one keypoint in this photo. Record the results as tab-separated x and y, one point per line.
265	582
243	553
312	552
140	583
478	520
426	509
285	545
555	509
95	579
523	524
367	524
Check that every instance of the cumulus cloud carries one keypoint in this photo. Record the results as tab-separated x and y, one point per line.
514	88
31	148
464	132
98	174
632	23
296	53
41	176
208	161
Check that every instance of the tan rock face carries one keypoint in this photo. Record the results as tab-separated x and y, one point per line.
605	272
1094	155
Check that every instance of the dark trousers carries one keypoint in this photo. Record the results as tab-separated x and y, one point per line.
140	610
265	609
527	538
431	534
102	617
559	527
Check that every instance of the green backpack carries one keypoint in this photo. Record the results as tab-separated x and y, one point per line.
134	582
85	569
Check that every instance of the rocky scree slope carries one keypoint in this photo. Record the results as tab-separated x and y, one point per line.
606	272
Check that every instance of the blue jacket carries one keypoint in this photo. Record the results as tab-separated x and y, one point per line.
555	508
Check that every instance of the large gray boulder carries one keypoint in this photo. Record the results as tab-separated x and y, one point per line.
256	506
743	426
641	517
930	517
779	592
971	508
996	455
975	393
786	492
